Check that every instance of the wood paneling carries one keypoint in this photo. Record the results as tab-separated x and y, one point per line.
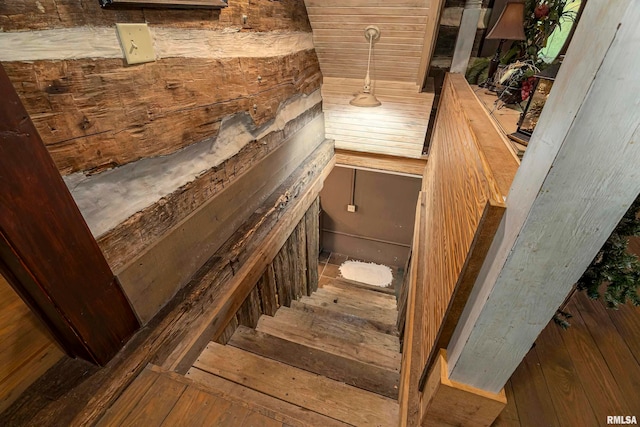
467	175
27	347
339	36
395	128
47	252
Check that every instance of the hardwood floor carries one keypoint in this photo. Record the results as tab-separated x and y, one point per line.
579	376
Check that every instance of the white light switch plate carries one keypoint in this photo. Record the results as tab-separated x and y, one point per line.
351	208
136	43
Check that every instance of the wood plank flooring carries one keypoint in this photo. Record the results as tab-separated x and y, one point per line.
579	376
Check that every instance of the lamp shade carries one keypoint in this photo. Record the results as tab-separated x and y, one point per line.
510	24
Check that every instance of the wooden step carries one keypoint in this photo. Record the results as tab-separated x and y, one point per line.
316	337
296	386
162	398
366	324
337	328
371	298
385	316
341	282
346	370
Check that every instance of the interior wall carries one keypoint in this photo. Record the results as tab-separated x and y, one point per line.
143	147
381	229
27	349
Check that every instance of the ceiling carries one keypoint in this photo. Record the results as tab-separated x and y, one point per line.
398	66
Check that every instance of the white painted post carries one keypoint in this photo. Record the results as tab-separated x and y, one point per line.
466	36
579	175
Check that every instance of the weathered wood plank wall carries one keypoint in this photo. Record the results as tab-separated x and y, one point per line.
288	277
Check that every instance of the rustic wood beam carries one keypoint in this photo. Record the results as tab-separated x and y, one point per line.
155	275
47	252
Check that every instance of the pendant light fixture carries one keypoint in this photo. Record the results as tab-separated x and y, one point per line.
366	98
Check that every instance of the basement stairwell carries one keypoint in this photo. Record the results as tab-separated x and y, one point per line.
330	359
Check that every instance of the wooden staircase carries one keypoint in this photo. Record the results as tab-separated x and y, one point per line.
329	359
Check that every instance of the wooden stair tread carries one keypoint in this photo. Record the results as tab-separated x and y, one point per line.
358	297
367	324
358	292
338	328
321	340
162	398
346	370
296	386
354	307
341	282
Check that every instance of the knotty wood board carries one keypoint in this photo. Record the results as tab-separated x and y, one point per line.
318	338
469	172
367	129
319	394
345	317
284	15
343	330
153	277
354	307
95	114
346	370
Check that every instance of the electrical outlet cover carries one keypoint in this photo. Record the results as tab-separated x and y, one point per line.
136	43
351	208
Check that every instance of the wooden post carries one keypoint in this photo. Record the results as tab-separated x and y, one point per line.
466	36
47	252
578	177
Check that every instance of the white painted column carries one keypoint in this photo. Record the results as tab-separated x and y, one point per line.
579	175
466	36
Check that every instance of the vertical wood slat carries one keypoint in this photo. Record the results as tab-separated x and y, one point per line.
47	252
312	230
300	271
281	274
250	310
268	291
228	331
